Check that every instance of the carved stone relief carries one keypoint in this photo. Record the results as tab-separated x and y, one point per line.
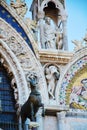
32	26
25	57
15	46
18	46
20	7
11	76
52	35
15	72
79	44
52	75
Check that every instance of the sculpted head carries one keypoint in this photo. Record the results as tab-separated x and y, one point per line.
48	20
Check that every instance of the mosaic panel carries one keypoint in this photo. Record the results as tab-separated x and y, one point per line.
72	85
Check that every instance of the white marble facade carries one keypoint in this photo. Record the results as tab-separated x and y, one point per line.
49	59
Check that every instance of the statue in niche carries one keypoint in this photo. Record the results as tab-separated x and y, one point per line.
52	76
78	96
53	37
59	41
20	7
34	102
59	35
49	34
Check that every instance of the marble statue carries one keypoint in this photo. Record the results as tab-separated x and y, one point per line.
78	44
52	75
49	34
20	7
59	41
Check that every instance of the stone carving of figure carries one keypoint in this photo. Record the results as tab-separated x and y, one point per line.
78	97
15	46
59	41
52	75
78	44
49	34
20	7
14	86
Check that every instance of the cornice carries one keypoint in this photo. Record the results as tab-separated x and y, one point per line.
54	56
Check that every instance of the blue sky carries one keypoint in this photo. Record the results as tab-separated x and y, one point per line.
76	22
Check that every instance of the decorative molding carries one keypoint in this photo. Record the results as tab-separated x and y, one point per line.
77	64
17	71
24	55
22	24
54	56
53	110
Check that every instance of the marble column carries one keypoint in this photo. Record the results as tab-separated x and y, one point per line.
26	127
41	16
65	39
40	119
61	120
20	123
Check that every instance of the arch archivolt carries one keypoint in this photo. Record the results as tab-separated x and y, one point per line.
73	72
12	66
20	57
21	23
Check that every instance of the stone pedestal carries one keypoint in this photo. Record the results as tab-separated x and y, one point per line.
20	123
